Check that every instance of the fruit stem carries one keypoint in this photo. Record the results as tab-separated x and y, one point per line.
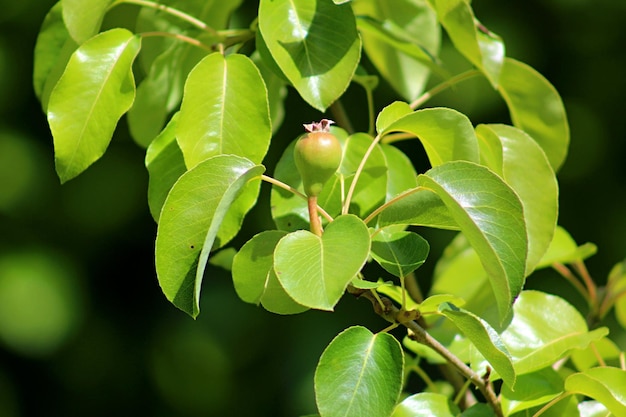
314	218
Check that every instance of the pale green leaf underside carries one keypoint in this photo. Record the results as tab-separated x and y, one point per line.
399	253
604	384
84	17
203	201
315	43
95	90
359	374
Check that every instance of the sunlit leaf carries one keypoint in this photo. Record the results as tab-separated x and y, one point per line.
359	374
446	134
254	277
399	252
95	90
315	43
401	175
401	41
544	329
604	349
224	110
531	389
484	338
392	113
491	217
84	17
604	384
432	212
479	45
165	165
536	108
203	210
563	249
426	404
617	284
315	271
53	50
524	166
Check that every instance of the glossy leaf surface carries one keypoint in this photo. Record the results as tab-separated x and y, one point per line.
480	46
165	164
524	166
536	108
484	338
315	43
254	277
446	134
400	40
359	374
84	17
95	90
426	404
604	384
531	390
491	217
315	271
203	210
543	330
53	50
390	114
399	252
224	110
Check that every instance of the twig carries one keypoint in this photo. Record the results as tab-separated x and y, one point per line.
289	188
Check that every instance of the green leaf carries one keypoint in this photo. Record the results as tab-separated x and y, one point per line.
95	90
359	374
426	404
480	46
315	271
254	277
490	215
536	108
446	134
401	41
484	338
399	253
53	50
392	113
544	329
604	348
524	166
84	17
531	390
604	384
418	207
479	410
165	165
203	211
315	43
563	249
224	110
401	175
617	285
276	91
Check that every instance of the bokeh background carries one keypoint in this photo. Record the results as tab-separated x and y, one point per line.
84	328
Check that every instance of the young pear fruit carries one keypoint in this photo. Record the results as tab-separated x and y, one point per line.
317	155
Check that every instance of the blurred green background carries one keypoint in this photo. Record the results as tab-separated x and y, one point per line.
84	328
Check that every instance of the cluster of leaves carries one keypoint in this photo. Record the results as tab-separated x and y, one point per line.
210	97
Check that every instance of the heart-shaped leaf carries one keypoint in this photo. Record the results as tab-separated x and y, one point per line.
315	271
399	252
605	384
484	338
254	277
203	211
95	90
224	110
359	374
446	134
491	217
315	43
536	108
